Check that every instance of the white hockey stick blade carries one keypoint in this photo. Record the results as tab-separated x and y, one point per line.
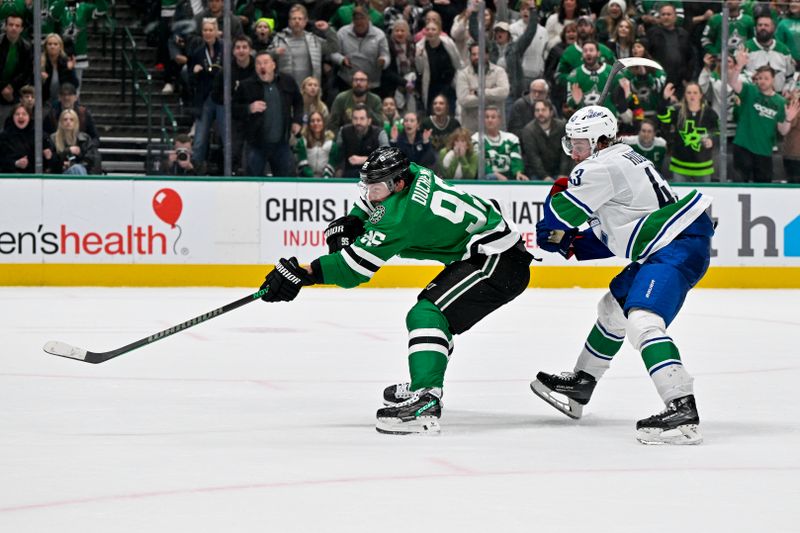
63	349
640	62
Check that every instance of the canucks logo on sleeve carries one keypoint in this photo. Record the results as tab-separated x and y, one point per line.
646	216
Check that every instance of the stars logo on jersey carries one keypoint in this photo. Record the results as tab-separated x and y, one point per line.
692	136
377	215
373	238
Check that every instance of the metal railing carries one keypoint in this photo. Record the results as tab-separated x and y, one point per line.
133	69
109	33
168	123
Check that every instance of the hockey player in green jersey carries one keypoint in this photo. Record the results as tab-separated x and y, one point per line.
405	210
630	212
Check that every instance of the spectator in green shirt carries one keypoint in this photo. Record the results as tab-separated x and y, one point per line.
762	112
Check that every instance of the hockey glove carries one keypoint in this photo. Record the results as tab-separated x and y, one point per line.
556	241
343	232
283	283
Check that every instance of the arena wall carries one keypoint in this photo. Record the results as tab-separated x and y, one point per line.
147	231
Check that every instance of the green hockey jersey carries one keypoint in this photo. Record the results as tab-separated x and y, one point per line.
648	87
591	83
502	154
12	7
572	59
656	152
788	33
73	24
431	219
740	29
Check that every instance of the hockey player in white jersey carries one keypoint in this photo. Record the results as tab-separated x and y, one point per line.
616	203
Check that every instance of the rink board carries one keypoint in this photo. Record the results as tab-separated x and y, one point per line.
119	231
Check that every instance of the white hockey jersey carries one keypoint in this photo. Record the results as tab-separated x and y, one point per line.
629	206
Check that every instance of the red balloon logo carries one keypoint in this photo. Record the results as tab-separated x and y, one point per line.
168	206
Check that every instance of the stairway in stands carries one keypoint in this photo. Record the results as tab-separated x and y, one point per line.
123	140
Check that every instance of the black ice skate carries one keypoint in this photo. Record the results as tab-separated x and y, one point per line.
573	390
677	424
398	393
418	414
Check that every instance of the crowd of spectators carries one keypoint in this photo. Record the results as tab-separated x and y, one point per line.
317	85
70	139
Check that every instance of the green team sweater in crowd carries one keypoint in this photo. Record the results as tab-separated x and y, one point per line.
740	29
501	154
168	8
18	7
74	23
647	88
13	7
572	58
428	220
656	152
689	156
759	116
788	33
591	83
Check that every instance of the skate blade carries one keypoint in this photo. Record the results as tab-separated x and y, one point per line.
570	407
682	435
419	426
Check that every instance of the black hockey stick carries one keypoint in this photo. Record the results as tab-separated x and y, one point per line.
63	349
621	64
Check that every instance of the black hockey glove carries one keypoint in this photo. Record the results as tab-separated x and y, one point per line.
343	232
556	241
283	283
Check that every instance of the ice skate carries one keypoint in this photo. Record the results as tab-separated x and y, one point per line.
567	392
397	393
677	424
418	414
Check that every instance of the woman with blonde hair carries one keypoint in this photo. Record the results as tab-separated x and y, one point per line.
75	152
313	148
312	99
57	68
458	160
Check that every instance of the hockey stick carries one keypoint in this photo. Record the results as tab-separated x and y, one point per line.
63	349
621	64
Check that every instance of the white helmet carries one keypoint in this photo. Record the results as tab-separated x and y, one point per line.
590	122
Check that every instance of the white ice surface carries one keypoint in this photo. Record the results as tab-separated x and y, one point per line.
263	419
